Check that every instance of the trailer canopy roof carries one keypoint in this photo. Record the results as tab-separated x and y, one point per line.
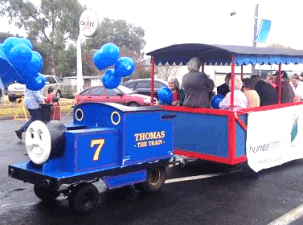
221	55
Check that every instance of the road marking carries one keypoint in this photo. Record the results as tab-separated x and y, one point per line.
289	217
181	179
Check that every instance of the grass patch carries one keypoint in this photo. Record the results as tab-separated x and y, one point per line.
13	110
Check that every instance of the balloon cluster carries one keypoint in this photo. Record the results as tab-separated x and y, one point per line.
28	63
108	55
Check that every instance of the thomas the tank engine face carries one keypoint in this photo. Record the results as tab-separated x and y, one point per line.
44	141
38	142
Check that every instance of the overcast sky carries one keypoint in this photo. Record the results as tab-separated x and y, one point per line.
168	22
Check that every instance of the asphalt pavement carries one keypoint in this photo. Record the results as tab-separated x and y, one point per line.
199	193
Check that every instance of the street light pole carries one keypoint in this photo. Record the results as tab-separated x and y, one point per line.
255	34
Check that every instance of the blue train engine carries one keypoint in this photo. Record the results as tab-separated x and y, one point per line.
120	145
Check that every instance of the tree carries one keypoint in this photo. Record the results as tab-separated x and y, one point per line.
129	38
66	61
4	35
49	25
88	66
277	45
141	71
165	72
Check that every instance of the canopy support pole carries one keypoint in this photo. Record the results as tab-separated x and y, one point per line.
241	72
232	88
152	80
279	85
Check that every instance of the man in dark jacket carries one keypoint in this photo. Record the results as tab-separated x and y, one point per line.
196	86
223	89
268	95
287	92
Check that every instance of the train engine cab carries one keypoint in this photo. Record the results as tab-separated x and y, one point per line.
119	144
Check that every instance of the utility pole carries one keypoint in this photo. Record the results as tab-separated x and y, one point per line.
255	35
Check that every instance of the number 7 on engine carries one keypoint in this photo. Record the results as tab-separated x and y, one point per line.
100	143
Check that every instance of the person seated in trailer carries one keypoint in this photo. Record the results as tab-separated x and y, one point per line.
252	96
266	92
297	87
196	85
223	89
287	93
240	100
212	86
270	80
173	85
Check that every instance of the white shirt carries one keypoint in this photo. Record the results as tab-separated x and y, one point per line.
240	100
298	90
32	99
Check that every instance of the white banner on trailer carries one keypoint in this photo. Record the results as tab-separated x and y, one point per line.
274	137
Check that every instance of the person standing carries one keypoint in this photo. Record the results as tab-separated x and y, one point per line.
32	101
196	85
1	92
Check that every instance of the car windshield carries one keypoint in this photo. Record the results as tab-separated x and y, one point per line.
125	90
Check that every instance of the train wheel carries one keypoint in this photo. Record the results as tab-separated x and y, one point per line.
83	198
45	194
155	180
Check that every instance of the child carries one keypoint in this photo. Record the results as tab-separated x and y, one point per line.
50	96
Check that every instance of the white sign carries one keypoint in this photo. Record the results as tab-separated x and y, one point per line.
274	137
88	23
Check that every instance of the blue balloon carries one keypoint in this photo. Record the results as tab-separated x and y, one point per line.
165	95
124	67
215	101
34	66
21	81
20	55
35	83
31	68
40	57
110	80
2	48
9	43
27	42
106	56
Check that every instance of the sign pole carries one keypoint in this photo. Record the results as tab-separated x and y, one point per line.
255	35
88	25
80	82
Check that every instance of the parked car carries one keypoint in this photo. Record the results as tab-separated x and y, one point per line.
121	95
142	86
17	90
